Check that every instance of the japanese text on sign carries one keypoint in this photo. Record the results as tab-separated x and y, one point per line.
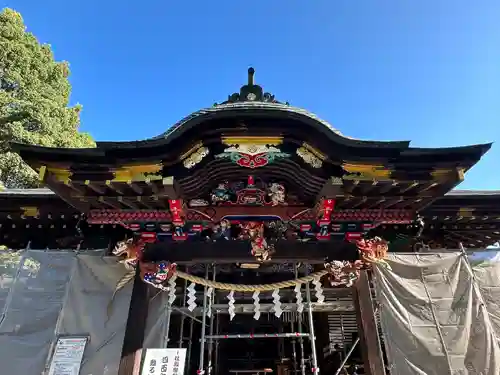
68	355
164	362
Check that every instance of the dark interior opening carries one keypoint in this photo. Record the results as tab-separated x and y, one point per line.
258	353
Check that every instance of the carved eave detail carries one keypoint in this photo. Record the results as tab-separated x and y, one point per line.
194	156
311	156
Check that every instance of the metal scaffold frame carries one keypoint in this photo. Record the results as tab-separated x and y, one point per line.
211	326
301	340
315	368
258	336
208	306
201	367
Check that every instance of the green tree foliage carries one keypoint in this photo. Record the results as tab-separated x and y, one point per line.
34	100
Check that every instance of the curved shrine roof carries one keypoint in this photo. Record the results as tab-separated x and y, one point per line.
253	112
319	129
295	147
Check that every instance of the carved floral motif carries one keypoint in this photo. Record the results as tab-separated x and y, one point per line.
249	193
309	157
196	157
252	155
198	203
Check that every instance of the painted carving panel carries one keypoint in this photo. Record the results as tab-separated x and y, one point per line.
249	192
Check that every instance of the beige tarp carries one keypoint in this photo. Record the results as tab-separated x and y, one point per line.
486	267
56	292
86	311
435	316
156	324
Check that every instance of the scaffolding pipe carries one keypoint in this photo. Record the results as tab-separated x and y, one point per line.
211	326
301	340
190	345
216	367
315	368
294	350
347	357
342	331
184	299
179	310
203	328
257	336
281	343
166	322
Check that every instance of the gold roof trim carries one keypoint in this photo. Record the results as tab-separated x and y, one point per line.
252	140
191	150
314	151
368	171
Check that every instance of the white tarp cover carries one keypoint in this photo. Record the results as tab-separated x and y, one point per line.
156	323
486	267
436	318
57	292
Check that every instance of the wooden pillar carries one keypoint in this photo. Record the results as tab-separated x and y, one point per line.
367	326
135	329
322	337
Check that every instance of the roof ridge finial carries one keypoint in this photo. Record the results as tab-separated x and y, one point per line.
251	93
251	73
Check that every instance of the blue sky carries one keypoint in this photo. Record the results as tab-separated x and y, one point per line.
426	71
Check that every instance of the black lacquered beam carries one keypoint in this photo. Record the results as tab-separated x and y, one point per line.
240	252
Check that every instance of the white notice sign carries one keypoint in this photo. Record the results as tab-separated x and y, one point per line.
164	362
68	355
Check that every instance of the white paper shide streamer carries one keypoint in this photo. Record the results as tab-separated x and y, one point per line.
191	293
230	308
256	305
319	290
171	290
277	304
298	298
210	292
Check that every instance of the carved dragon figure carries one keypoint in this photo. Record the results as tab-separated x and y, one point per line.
373	250
340	273
157	274
344	273
131	251
254	231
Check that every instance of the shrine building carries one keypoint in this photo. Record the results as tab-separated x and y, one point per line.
243	200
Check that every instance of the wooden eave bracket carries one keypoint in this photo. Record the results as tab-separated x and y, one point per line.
95	188
59	184
171	188
332	188
107	202
448	179
448	176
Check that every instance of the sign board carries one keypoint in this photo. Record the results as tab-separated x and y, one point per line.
68	355
164	362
